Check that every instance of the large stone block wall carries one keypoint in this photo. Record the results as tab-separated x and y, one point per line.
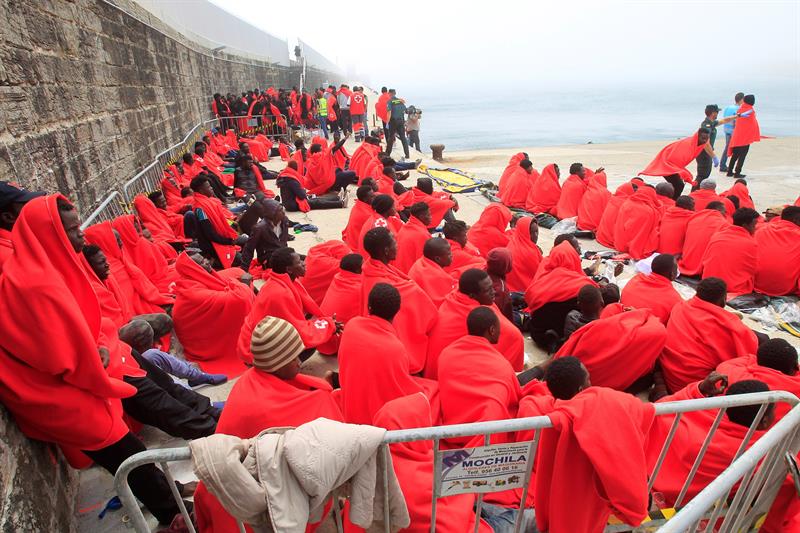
91	91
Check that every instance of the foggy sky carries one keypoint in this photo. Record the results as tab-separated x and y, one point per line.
418	45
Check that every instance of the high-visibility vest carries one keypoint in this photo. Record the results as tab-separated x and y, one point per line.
322	107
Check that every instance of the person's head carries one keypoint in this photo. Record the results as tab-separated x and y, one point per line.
527	165
202	185
201	261
384	301
186	192
734	200
12	200
791	214
477	284
570	238
745	415
351	263
315	149
371	139
188	159
97	260
336	137
713	291
217	96
383	204
456	231
533	230
157	197
273	211
390	173
499	262
200	148
565	377
685	202
483	322
708	184
610	292
422	212
380	244
392	92
747	218
438	251
703	134
425	185
365	194
712	110
716	205
286	261
578	170
276	346
292	164
665	189
738	98
299	144
665	265
779	355
384	90
72	224
244	161
370	182
590	301
749	99
244	148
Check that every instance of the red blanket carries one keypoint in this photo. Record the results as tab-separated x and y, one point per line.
746	130
699	230
653	292
320	172
516	187
732	255
371	377
740	191
110	308
452	325
593	202
605	228
343	297
393	224
636	229
672	230
778	265
358	215
701	335
410	241
146	255
512	165
322	263
545	193
747	367
573	462
464	258
432	279
571	195
674	158
291	403
703	197
438	202
417	314
6	248
208	314
218	215
490	230
558	279
163	225
54	382
619	349
525	256
283	298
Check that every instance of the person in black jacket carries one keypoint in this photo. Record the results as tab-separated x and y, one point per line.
271	233
292	191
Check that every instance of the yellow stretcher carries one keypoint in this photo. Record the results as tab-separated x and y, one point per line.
453	180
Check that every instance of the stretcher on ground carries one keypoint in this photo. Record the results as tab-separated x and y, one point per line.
453	180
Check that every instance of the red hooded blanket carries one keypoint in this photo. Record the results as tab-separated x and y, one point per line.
605	228
411	240
672	230
778	265
516	187
525	256
358	216
732	255
512	165
653	292
218	215
545	193
343	298
322	263
432	279
593	202
674	158
145	254
571	195
490	229
558	279
439	203
464	258
746	130
636	229
699	230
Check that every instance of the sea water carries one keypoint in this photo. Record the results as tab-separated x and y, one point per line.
483	119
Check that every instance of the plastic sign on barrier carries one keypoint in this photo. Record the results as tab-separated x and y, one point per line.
484	469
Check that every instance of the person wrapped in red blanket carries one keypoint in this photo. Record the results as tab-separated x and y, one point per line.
525	254
210	308
701	334
374	364
672	229
412	236
732	253
145	254
699	230
636	229
216	237
739	190
745	133
672	160
164	225
384	215
517	184
511	167
343	298
546	191
654	291
590	425
417	316
572	191
270	394
322	263
465	254
490	229
778	266
439	202
283	296
593	202
361	211
429	270
605	228
474	289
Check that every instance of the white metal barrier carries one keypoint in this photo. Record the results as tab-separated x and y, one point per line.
109	209
752	500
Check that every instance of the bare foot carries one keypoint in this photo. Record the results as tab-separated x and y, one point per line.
188	488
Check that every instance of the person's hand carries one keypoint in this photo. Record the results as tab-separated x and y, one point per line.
746	113
618	268
715	161
714	384
596	266
241	240
247	279
104	356
339	325
599	170
455	201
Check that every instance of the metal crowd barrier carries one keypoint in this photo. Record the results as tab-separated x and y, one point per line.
145	182
753	499
109	209
245	125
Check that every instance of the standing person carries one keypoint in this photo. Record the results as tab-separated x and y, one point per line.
729	111
704	158
396	111
381	111
322	113
358	113
745	133
672	160
412	127
343	98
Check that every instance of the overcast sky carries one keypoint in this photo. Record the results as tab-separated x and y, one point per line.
418	45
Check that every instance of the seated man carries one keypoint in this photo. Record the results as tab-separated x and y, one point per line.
164	225
525	254
778	266
706	193
490	229
593	202
572	191
465	255
607	225
699	230
210	308
417	316
654	291
295	197
701	334
474	290
665	193
498	266
412	236
636	230
247	176
322	175
672	229
270	394
373	362
517	185
428	271
477	383
545	191
322	263
343	297
152	261
590	425
441	204
217	239
590	305
12	200
619	349
740	191
283	296
732	253
384	215
269	234
361	211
